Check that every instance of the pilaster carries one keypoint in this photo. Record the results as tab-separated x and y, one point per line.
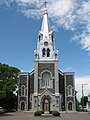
36	78
56	79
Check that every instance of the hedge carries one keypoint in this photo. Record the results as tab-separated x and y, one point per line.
56	113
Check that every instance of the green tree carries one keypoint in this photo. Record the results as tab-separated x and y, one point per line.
84	100
77	105
8	84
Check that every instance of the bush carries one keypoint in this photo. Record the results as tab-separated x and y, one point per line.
55	113
37	113
42	112
51	111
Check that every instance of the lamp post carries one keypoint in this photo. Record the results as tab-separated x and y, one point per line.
83	96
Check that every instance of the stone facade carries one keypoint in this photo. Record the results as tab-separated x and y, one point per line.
67	100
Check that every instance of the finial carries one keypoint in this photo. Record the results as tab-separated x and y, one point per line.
45	3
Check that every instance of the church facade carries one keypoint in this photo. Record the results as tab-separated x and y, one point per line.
46	87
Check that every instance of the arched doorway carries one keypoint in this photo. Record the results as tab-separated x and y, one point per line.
46	105
23	105
46	101
70	106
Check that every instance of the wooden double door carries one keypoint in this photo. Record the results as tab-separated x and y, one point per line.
46	105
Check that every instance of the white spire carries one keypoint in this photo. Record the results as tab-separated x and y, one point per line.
45	25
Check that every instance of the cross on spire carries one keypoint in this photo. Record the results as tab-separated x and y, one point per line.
45	3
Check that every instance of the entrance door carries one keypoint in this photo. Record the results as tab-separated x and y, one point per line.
46	105
46	102
22	106
70	106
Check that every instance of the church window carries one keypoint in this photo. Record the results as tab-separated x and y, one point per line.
45	79
39	37
23	90
48	52
43	52
69	90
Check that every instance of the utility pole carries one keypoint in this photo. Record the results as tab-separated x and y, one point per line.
83	96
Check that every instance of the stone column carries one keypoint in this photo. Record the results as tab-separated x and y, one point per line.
56	79
35	95
57	86
36	79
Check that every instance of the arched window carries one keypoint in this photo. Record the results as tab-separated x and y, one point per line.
70	90
39	37
45	79
23	90
48	52
43	52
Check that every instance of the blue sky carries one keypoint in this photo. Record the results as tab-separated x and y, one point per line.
20	22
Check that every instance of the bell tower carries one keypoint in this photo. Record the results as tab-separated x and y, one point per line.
46	66
45	45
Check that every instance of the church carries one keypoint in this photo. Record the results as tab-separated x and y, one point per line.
46	87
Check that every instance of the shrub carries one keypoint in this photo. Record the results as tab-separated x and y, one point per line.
55	113
37	113
42	112
51	111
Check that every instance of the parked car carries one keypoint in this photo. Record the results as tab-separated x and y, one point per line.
1	110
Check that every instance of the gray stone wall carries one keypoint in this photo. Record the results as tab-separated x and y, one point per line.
46	66
32	83
50	67
70	99
23	80
69	80
62	90
70	92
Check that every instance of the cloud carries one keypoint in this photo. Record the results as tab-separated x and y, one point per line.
72	15
6	3
68	69
83	16
78	85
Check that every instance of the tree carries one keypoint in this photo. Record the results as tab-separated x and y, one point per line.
84	100
77	105
8	84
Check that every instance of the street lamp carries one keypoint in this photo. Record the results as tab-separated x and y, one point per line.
83	96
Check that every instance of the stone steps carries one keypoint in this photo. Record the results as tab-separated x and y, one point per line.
46	114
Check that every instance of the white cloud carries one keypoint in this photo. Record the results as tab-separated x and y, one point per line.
86	88
6	3
68	69
59	8
83	16
72	15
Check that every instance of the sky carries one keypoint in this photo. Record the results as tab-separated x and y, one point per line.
20	23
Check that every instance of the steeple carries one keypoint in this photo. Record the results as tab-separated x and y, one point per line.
45	29
45	46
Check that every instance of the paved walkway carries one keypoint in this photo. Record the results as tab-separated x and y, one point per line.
30	116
